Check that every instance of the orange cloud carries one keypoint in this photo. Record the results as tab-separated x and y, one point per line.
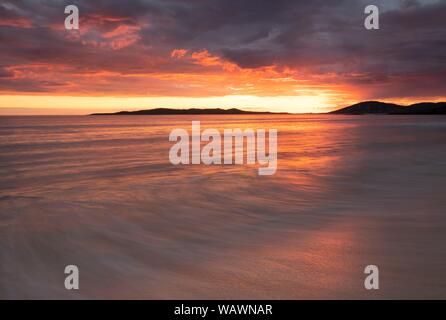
16	22
178	53
204	58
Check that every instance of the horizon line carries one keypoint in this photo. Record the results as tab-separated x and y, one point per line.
248	111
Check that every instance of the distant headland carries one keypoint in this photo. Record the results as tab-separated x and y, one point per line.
377	107
194	111
362	108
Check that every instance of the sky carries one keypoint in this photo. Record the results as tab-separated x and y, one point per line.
282	55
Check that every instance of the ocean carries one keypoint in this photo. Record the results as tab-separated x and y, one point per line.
101	194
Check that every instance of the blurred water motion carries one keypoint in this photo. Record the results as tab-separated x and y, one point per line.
100	193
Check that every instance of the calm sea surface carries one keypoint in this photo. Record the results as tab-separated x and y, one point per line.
100	193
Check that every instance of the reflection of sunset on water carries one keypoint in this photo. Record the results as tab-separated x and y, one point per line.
101	192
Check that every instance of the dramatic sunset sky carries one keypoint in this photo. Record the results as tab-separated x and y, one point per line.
281	55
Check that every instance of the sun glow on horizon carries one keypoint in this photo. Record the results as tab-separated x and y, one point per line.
64	105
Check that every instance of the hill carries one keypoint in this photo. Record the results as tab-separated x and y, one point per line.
376	107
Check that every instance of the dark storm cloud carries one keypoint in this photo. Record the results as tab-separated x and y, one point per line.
316	37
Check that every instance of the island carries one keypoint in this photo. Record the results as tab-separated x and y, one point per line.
194	111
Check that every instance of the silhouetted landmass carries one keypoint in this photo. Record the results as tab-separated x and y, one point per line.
166	111
376	107
367	107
